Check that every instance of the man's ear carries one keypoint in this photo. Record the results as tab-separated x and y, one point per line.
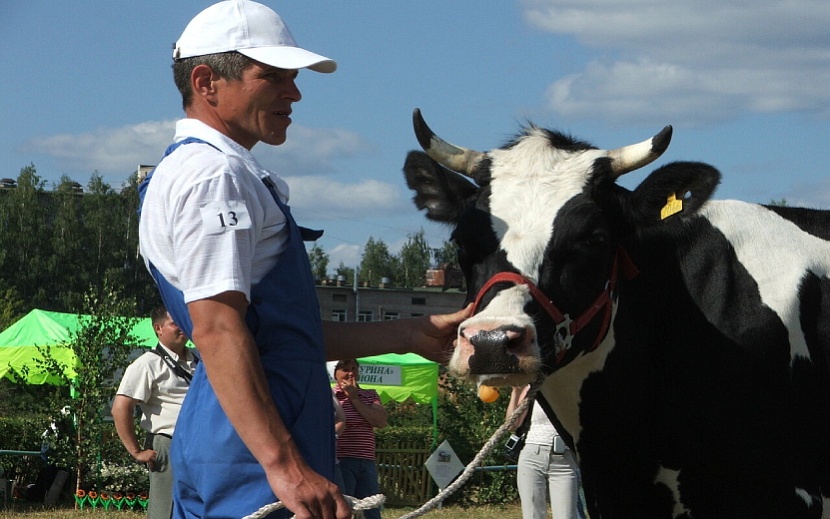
202	82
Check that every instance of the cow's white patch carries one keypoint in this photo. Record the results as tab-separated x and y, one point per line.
668	477
562	389
776	253
507	304
531	182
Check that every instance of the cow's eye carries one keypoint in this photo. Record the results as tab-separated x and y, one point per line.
595	240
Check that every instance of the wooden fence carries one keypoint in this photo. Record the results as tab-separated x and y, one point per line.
404	479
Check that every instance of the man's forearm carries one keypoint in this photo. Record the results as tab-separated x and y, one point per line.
375	415
430	336
122	415
235	372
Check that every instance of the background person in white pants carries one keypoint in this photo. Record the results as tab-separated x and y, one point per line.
546	467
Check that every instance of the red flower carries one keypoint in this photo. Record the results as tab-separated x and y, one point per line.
142	495
93	494
104	496
130	495
80	493
118	496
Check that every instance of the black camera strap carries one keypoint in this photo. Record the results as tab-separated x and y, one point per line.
172	364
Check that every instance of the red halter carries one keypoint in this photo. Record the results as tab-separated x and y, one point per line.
566	327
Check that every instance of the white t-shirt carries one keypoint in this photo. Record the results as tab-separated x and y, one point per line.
161	392
209	224
541	431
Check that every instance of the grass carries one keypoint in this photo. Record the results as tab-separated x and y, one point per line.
449	512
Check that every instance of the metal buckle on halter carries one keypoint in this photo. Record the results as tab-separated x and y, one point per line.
562	337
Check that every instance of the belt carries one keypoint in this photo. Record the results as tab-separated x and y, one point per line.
163	434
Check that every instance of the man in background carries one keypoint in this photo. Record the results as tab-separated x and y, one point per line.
157	381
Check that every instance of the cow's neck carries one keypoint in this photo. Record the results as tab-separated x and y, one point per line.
562	388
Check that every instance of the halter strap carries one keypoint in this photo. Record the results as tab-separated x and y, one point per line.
567	328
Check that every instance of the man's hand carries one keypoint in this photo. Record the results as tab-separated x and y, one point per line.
435	335
306	493
349	386
146	456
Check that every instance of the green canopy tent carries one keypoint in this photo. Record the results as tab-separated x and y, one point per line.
19	342
400	377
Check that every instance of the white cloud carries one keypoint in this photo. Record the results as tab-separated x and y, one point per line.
119	150
310	151
108	150
327	199
695	62
348	255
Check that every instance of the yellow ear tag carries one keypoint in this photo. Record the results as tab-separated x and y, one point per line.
673	206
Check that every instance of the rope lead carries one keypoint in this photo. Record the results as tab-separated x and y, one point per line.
378	499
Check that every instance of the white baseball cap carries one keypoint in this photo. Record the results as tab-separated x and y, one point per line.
251	29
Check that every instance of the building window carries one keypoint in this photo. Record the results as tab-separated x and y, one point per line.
364	316
419	300
416	315
391	316
338	315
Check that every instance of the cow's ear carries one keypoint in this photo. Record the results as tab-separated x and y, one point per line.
440	191
674	191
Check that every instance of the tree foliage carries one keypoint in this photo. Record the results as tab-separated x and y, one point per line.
55	244
102	344
319	262
413	261
377	262
346	272
446	255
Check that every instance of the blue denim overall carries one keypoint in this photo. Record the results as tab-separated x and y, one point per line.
215	475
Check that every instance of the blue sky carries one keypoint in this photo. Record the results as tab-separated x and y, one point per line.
746	86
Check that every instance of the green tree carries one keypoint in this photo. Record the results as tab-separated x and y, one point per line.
346	272
102	344
319	262
12	307
413	261
446	255
468	423
24	241
377	262
67	251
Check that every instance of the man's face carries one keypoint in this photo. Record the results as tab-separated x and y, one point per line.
258	106
170	334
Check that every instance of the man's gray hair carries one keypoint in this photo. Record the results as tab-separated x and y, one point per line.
227	65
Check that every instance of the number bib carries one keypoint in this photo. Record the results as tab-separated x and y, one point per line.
219	217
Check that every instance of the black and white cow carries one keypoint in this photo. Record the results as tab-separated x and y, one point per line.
684	340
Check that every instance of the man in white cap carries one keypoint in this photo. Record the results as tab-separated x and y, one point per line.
230	263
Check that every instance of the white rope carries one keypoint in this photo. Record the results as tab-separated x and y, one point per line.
378	499
485	450
357	505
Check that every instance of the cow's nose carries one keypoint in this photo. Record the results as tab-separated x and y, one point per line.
509	338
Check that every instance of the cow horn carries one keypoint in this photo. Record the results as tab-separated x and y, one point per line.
635	156
452	157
